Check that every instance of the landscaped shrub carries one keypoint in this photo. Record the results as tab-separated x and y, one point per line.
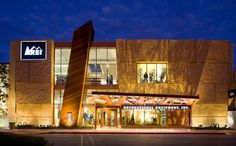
27	126
9	139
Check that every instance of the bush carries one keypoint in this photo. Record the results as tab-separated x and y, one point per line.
28	126
22	140
212	127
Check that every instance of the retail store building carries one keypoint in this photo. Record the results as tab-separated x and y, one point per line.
125	83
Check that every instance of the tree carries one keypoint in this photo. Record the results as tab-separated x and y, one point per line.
4	86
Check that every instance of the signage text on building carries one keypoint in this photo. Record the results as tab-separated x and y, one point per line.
33	50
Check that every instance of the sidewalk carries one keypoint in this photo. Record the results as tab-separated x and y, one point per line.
120	131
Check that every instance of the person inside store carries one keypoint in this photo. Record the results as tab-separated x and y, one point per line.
145	76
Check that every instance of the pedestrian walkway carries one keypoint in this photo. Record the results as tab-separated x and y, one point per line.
120	131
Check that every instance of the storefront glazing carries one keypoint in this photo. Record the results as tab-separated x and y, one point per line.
62	57
102	66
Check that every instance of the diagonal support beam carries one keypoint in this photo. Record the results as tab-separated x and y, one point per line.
76	78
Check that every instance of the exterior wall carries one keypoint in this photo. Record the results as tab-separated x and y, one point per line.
31	89
201	68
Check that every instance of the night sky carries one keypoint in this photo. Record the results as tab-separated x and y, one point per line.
138	19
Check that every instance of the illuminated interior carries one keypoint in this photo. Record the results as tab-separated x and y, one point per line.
58	99
102	68
151	73
62	56
142	110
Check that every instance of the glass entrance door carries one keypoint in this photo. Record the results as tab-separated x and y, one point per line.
107	117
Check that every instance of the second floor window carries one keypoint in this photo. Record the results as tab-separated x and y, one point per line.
151	73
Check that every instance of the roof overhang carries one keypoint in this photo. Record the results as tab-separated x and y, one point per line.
124	98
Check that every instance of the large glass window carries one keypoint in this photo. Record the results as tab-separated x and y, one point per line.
151	73
58	99
102	67
142	117
62	56
88	116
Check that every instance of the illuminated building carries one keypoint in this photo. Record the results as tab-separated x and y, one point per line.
125	83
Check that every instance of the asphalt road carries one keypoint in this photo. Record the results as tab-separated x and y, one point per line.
141	139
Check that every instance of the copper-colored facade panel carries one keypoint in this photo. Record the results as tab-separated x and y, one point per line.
31	82
182	50
178	117
74	87
194	67
35	74
177	72
22	69
147	50
121	51
33	93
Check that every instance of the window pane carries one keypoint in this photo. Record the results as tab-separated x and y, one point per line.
64	69
112	73
102	66
62	57
58	96
88	116
58	99
151	70
92	55
151	73
57	55
101	55
57	69
161	73
112	55
141	70
65	56
139	116
104	74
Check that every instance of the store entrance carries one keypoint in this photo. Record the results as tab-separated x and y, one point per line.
107	117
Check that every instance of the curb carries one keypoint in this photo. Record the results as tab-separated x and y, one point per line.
207	133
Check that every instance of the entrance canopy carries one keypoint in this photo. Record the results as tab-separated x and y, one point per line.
123	98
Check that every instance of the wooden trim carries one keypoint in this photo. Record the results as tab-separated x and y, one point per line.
63	44
103	44
99	86
93	44
103	106
89	86
145	94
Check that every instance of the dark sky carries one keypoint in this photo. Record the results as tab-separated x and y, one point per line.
137	19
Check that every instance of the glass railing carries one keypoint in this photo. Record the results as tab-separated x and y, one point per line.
101	81
61	79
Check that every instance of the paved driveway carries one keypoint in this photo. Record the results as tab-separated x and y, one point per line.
141	139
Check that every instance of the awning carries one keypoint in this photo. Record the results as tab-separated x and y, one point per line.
124	98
